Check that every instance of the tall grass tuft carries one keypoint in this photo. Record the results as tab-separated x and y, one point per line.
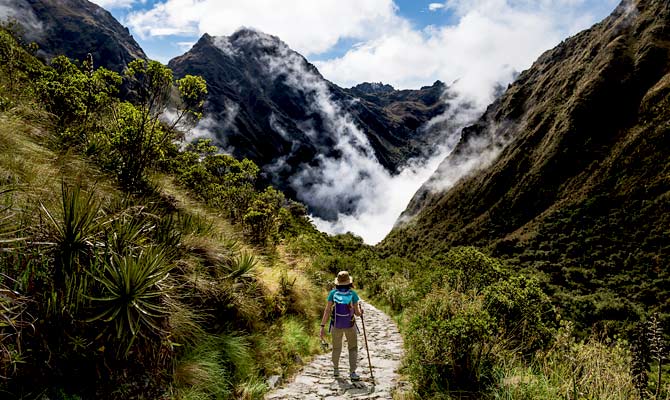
237	355
297	340
219	367
185	323
572	370
252	389
202	373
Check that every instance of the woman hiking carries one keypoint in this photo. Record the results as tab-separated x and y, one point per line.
343	304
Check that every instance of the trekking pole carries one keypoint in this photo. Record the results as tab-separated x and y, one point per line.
365	336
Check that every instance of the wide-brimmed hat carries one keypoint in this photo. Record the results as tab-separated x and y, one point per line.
343	278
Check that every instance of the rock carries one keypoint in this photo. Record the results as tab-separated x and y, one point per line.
274	381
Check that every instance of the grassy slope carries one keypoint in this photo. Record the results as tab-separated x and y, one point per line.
228	335
36	171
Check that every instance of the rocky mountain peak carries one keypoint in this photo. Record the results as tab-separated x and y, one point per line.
269	104
75	28
372	88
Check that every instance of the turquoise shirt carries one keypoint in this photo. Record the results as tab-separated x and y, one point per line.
354	295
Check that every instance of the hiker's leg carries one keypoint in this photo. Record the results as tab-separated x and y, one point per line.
352	341
337	345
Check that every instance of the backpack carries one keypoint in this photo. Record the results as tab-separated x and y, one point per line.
343	312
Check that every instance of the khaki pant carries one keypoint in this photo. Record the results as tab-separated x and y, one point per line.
352	345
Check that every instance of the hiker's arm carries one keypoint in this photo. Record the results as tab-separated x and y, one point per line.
357	309
326	313
324	319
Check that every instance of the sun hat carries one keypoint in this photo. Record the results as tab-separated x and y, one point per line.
343	278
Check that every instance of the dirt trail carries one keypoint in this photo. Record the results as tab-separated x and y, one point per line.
316	380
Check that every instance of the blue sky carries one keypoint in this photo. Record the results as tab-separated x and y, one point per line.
407	43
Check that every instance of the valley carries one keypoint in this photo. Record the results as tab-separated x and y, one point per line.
170	230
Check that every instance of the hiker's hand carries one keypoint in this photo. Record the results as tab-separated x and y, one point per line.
322	334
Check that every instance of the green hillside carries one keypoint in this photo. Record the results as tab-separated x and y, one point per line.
580	195
130	268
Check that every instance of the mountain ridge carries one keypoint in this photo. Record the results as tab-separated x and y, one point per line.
580	182
75	28
266	104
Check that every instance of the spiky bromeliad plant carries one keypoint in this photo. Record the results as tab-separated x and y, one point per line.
242	267
73	232
132	293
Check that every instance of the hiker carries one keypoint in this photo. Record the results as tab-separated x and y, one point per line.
343	304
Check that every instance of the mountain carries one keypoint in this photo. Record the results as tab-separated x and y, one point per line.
572	177
74	28
267	103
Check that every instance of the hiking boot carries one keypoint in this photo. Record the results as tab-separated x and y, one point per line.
336	372
354	377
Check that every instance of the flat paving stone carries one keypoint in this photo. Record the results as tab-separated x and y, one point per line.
316	381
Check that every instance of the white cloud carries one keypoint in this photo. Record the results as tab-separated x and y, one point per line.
23	13
185	46
368	197
308	26
491	41
436	6
111	4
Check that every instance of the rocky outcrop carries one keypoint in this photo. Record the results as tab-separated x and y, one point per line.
75	28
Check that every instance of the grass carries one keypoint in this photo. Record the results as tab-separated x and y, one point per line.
265	281
297	339
219	367
593	369
232	371
202	373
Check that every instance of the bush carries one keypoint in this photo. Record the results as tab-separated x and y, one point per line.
524	313
473	312
450	336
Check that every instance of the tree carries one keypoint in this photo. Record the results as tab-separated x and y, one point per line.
262	218
144	131
75	96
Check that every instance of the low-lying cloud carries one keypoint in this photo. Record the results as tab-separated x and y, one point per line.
352	187
22	12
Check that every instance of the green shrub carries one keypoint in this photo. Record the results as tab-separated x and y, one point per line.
449	337
524	314
398	292
468	268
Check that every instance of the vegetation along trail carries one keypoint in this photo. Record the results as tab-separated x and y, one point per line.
316	380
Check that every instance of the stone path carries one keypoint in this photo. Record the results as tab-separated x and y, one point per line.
316	380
